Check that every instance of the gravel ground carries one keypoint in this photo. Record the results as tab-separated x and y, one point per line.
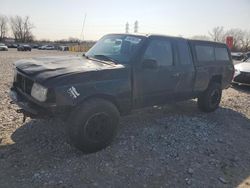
168	146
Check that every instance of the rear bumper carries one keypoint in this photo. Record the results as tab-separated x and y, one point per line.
33	110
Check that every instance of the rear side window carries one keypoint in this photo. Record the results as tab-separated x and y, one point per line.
184	53
204	53
221	54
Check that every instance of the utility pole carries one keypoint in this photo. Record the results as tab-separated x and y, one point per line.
127	28
136	27
82	33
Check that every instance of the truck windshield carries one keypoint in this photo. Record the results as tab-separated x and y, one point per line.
115	48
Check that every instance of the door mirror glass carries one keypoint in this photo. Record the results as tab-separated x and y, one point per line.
149	64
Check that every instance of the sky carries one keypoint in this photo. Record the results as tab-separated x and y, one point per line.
61	19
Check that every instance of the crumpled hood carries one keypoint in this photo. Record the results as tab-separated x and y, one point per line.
44	68
243	67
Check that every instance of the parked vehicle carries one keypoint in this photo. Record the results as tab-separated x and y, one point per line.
119	73
247	56
46	47
39	47
24	47
63	48
238	56
35	46
3	47
12	45
242	73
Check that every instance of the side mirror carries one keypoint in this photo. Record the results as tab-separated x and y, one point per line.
149	64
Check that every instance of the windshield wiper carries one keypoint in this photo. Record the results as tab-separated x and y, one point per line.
99	60
106	58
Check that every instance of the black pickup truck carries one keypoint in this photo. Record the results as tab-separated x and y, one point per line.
119	73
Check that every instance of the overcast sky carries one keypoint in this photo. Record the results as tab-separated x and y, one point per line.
61	19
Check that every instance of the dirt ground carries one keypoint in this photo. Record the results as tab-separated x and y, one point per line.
167	146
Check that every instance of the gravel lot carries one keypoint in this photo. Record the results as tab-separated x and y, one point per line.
168	146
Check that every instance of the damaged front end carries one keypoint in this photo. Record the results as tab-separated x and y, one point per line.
54	86
31	106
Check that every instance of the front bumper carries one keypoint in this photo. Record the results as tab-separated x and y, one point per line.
31	109
242	78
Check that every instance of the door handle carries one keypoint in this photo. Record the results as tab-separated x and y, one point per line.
176	74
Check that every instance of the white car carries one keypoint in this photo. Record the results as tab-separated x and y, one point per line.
3	47
242	73
47	47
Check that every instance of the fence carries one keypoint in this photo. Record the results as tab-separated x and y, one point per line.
80	48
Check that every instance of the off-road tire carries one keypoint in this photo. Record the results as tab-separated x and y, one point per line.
93	125
210	99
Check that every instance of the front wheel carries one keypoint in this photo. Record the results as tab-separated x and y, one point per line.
93	125
210	99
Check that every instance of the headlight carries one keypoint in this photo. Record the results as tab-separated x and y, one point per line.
39	92
236	72
15	74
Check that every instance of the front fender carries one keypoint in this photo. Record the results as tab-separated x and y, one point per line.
75	94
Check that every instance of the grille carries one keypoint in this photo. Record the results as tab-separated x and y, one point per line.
23	83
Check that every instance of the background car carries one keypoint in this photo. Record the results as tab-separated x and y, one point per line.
24	47
242	73
12	45
46	47
247	55
63	48
35	46
3	47
238	56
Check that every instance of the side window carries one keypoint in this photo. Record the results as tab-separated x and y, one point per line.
184	52
161	51
204	53
221	54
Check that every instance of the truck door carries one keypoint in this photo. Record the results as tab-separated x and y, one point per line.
156	77
185	69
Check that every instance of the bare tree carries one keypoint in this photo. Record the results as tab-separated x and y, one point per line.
217	34
28	26
241	39
22	28
3	27
245	41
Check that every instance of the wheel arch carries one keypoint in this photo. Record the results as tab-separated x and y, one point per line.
216	79
106	97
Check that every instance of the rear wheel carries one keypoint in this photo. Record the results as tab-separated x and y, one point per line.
210	99
93	125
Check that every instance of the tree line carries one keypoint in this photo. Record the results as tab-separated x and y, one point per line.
241	38
20	28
